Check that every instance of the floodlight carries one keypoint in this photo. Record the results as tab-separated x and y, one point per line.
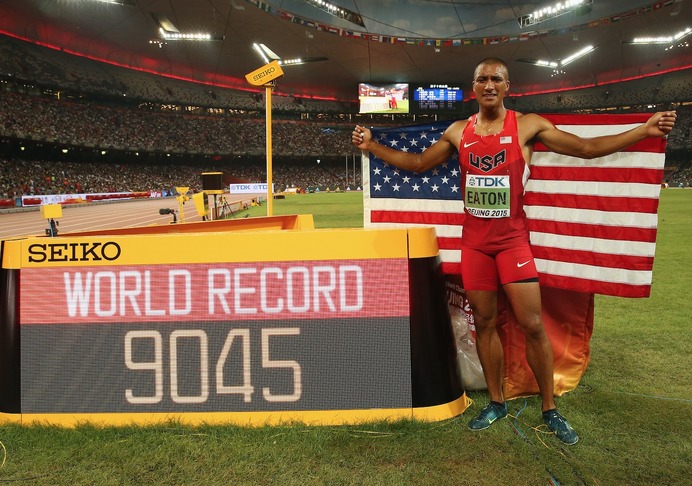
337	11
118	2
268	56
169	32
265	53
302	60
562	62
576	55
662	39
552	11
189	36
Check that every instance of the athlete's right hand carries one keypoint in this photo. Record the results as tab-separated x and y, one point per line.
361	137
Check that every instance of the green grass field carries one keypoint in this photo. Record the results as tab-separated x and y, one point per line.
631	410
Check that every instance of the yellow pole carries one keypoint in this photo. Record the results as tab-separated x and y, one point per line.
266	76
268	111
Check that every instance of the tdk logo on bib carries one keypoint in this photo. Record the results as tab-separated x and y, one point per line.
487	181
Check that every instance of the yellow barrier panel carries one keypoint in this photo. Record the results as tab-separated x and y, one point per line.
246	322
51	211
201	202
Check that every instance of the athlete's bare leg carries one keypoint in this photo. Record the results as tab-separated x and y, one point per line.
525	299
490	353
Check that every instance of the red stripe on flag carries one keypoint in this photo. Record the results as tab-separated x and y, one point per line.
448	243
583	257
595	287
598	174
647	235
601	203
616	119
449	268
649	145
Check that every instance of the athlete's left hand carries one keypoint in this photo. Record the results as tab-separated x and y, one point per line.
661	123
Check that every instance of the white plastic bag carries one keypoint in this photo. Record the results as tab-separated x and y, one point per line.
465	338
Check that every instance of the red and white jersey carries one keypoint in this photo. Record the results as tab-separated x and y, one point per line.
493	176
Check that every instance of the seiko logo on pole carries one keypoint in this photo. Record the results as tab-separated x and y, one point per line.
74	252
265	74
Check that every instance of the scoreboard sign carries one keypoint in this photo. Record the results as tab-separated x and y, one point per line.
244	327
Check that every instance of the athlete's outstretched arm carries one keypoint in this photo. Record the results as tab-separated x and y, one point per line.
658	125
434	155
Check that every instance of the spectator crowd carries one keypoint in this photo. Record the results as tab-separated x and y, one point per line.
296	144
20	177
80	124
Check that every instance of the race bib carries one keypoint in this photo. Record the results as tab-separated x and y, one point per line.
487	196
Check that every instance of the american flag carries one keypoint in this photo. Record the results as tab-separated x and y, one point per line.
592	222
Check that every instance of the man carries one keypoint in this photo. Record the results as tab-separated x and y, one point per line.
495	147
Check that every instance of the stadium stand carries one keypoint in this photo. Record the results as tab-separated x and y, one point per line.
154	133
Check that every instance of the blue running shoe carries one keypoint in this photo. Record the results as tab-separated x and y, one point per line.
492	412
560	427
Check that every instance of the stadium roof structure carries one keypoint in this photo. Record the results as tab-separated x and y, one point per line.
404	41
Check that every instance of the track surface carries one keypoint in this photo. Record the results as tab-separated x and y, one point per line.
107	215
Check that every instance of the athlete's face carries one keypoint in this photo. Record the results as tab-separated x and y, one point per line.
490	84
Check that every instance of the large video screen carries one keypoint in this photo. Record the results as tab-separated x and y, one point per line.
383	98
242	336
436	98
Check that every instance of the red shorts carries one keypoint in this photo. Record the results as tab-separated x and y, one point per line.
482	270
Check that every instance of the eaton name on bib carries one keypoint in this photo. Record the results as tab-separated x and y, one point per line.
487	196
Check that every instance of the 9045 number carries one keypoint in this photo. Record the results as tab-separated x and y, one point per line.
214	378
